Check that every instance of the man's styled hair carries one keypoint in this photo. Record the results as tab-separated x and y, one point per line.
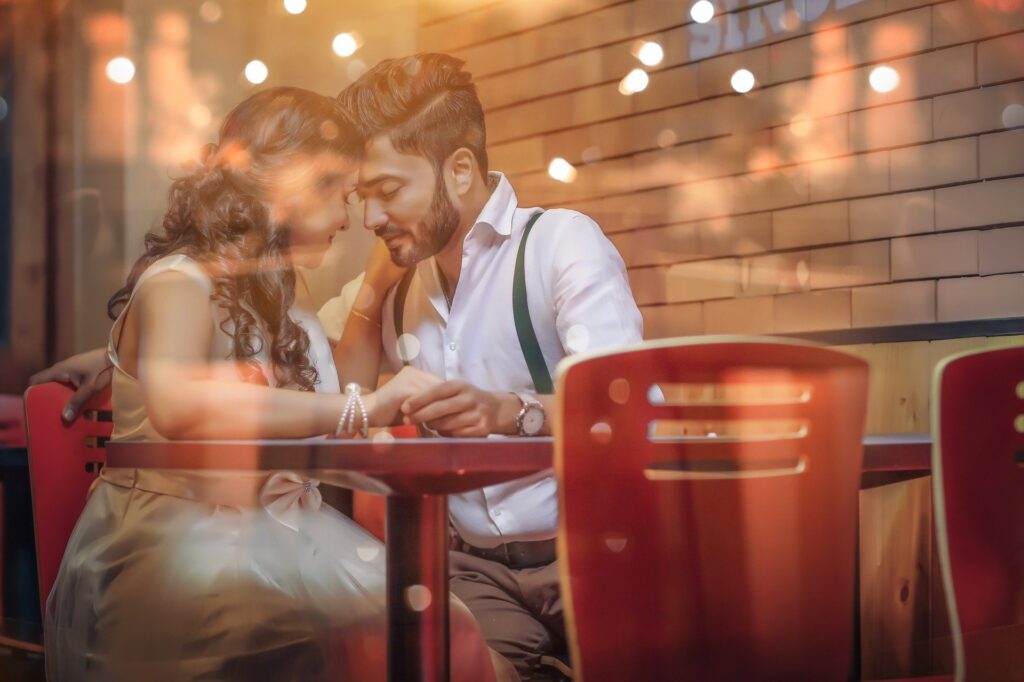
426	104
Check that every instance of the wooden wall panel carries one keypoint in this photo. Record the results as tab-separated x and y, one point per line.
847	176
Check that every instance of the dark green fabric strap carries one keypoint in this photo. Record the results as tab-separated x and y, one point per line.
524	325
400	294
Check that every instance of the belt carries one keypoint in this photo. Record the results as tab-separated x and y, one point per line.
512	554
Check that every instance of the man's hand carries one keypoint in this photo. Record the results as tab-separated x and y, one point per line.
88	373
455	408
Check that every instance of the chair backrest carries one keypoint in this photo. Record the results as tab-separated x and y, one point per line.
978	484
12	421
64	460
709	496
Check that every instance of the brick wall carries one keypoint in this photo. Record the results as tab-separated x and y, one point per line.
812	202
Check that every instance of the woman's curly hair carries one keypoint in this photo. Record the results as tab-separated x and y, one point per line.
217	214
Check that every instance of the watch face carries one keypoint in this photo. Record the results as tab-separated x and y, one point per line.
533	420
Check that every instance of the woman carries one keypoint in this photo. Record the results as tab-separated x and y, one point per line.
187	575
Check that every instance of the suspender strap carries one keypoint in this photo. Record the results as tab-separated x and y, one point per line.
524	325
400	294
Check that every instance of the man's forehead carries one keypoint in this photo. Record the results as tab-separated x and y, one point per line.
381	160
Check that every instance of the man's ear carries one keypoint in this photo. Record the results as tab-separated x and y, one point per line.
462	171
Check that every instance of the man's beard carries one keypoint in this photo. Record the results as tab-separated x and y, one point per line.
435	231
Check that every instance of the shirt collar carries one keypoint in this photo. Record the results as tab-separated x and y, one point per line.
500	207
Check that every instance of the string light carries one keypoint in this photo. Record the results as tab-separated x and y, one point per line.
634	82
561	170
702	12
650	54
256	72
120	70
344	45
883	79
742	81
295	6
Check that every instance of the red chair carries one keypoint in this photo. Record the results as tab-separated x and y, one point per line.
12	421
709	501
64	460
978	479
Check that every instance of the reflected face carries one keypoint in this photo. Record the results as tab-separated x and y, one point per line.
406	203
309	199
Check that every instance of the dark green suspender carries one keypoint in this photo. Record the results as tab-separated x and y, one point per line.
520	312
524	325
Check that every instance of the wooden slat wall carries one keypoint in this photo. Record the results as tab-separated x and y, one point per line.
901	375
812	203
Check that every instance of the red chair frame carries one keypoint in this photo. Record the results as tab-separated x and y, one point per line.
978	492
64	461
710	557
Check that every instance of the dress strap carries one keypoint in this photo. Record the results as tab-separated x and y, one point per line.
178	263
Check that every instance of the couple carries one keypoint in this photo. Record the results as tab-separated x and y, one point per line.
206	576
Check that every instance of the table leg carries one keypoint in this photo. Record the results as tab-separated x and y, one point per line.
417	592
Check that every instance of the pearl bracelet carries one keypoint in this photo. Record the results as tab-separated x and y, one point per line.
353	405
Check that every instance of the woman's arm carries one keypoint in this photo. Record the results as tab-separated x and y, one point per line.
183	400
358	354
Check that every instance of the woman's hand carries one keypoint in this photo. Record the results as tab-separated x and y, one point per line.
383	405
88	373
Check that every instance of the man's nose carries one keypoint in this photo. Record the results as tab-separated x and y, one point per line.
374	216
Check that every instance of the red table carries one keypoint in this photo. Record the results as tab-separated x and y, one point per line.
417	475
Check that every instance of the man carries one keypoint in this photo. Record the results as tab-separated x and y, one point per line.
429	196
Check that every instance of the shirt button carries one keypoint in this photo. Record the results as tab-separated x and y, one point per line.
497	512
453	346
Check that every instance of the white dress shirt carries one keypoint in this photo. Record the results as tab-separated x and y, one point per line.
579	300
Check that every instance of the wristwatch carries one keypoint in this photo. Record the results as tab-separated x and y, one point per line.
530	419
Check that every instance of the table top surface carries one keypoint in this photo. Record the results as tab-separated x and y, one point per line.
382	465
424	465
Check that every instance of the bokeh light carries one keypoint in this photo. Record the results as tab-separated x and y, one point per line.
121	70
742	81
884	79
650	54
635	81
561	170
256	72
344	45
199	116
355	69
667	138
591	154
702	11
295	6
801	125
210	12
1013	116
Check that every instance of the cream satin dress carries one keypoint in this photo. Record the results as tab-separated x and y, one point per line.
189	575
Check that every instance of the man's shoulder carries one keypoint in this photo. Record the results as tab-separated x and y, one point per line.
557	221
562	215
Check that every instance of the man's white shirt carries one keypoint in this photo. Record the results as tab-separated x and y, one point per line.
579	300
